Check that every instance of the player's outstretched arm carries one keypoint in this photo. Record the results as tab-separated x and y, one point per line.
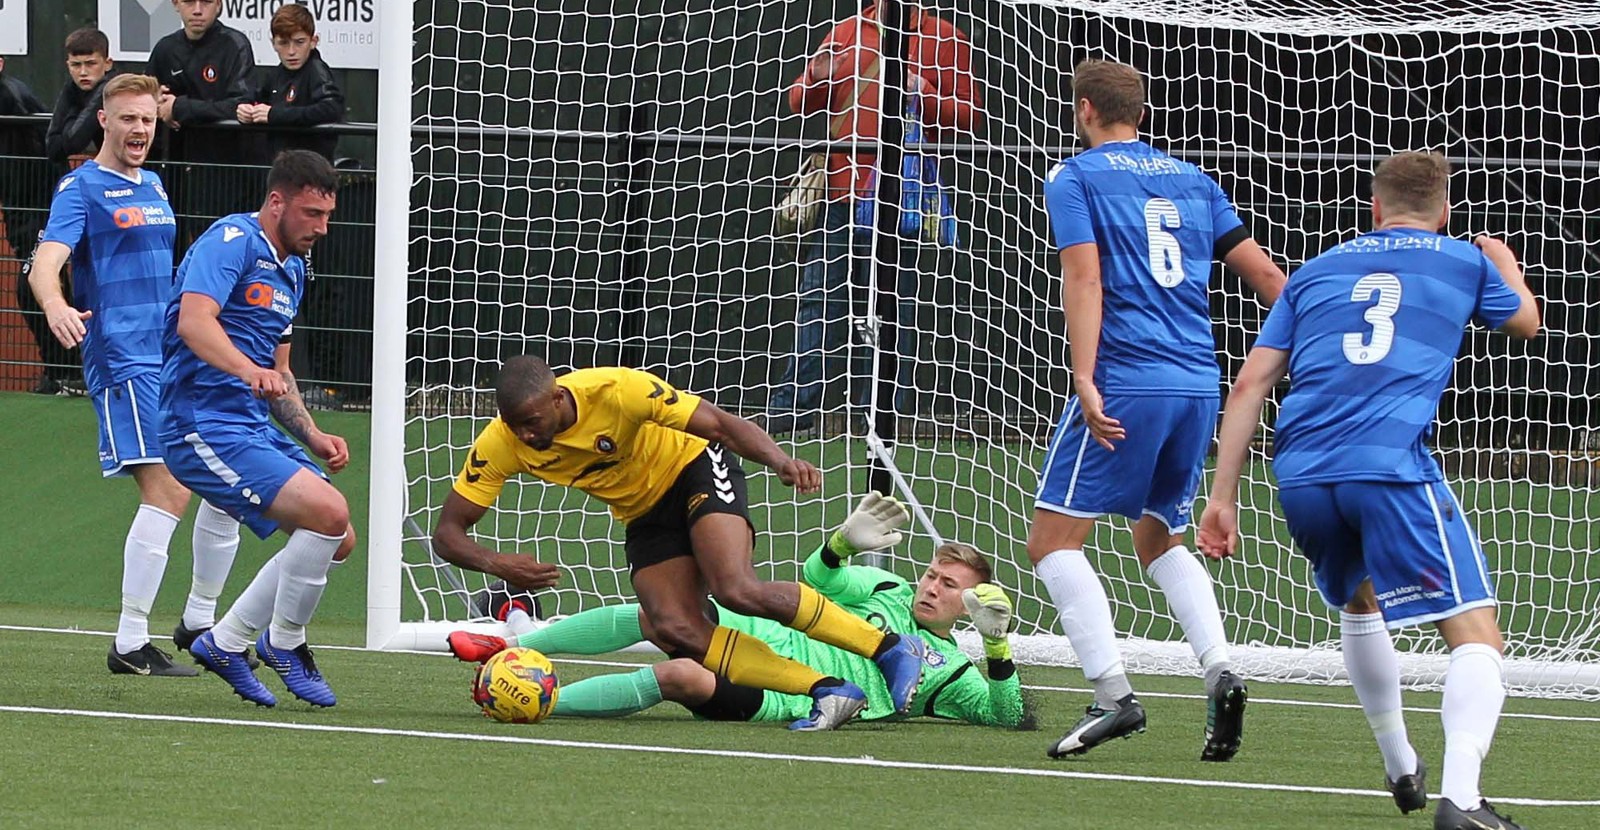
992	700
844	584
750	441
202	332
453	544
290	411
44	277
1251	263
1525	322
1263	368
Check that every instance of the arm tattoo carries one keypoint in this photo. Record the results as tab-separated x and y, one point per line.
290	410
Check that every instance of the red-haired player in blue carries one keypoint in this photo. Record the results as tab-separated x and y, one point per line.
111	219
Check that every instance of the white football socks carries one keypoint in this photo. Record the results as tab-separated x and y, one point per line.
305	562
1374	670
1474	690
144	562
1085	614
216	542
251	611
1193	600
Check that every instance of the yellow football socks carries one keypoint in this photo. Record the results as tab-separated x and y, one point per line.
747	661
822	620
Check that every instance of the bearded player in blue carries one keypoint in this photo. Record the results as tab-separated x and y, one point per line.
226	375
1137	232
1368	333
111	219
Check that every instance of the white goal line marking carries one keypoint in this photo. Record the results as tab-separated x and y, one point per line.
1062	689
1319	704
862	761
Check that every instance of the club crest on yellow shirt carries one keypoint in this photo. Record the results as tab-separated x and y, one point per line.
604	444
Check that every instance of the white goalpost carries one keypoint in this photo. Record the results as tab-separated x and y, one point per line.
598	188
387	507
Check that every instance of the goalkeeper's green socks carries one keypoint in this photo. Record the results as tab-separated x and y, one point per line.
596	631
609	695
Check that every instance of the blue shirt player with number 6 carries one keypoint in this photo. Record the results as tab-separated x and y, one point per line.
1369	332
1137	232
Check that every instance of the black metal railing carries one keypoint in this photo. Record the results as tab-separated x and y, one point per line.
655	248
333	352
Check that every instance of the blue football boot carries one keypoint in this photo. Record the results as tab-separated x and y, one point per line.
233	667
902	666
298	670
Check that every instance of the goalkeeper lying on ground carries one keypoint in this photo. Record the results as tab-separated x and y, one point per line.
956	584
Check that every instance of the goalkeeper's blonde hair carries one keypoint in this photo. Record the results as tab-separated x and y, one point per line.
966	555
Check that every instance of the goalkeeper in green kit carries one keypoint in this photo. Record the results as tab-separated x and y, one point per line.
956	584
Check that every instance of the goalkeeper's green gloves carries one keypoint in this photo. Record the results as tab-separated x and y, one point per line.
990	610
875	525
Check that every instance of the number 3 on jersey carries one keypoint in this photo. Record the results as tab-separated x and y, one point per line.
1166	257
1362	348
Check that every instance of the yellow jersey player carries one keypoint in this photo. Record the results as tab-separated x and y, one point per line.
667	463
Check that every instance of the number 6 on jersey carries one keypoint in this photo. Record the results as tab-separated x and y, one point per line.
1166	256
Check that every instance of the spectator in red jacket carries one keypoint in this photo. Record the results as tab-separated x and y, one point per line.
846	69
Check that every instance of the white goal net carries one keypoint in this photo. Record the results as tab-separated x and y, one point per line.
597	187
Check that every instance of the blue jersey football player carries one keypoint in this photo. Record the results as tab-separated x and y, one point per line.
1137	232
225	378
110	218
1368	333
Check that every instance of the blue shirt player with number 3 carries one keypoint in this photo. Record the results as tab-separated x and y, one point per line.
1368	333
1137	232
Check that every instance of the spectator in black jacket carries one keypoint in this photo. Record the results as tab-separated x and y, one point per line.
18	192
17	99
300	91
75	125
206	70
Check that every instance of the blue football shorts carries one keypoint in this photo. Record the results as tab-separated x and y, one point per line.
1411	539
129	417
1155	470
239	469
